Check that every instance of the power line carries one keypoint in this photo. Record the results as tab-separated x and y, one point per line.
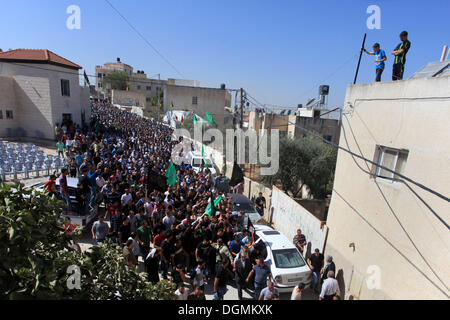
331	74
147	81
143	38
389	205
389	242
420	185
399	180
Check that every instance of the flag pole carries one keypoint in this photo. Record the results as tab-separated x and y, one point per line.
360	55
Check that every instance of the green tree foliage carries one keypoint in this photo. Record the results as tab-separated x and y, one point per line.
305	161
35	255
117	80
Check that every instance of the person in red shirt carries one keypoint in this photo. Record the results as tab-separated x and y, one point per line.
50	185
69	227
159	238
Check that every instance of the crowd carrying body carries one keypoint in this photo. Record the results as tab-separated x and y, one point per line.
115	158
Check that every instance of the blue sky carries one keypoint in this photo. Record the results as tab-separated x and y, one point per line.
279	51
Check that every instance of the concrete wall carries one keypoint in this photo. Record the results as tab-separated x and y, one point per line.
7	102
365	237
39	104
128	98
288	216
323	127
209	99
252	190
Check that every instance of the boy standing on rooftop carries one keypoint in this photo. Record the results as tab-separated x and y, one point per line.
380	58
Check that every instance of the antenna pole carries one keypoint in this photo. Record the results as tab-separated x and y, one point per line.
360	55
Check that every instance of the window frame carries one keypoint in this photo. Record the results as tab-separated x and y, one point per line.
9	115
63	87
195	100
379	158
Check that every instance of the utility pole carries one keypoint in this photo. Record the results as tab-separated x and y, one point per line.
158	107
242	108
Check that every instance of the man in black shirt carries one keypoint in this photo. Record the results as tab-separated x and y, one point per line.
124	231
400	57
178	276
203	252
242	269
221	280
167	250
260	203
84	181
315	262
152	265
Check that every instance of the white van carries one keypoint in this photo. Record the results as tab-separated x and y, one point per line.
287	265
195	159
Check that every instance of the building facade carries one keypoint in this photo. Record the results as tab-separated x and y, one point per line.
138	82
288	125
386	243
38	89
198	100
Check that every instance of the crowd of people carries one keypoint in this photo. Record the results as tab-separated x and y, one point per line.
161	228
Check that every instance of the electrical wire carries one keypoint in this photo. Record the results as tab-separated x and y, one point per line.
145	40
420	185
389	242
389	205
147	81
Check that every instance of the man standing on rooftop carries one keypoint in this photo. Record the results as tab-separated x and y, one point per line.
400	56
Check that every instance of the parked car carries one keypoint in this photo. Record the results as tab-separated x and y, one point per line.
195	159
286	263
242	203
76	218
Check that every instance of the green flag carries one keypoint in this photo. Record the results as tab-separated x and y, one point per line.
208	117
203	156
216	203
195	120
171	174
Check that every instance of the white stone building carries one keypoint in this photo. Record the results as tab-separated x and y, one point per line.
386	242
38	89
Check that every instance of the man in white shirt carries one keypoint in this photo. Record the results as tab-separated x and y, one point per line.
297	292
168	220
330	287
182	292
100	181
126	197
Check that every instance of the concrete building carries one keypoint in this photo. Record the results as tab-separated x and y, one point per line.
288	125
198	100
138	81
38	89
385	242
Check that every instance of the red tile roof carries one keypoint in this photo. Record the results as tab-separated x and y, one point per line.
37	56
